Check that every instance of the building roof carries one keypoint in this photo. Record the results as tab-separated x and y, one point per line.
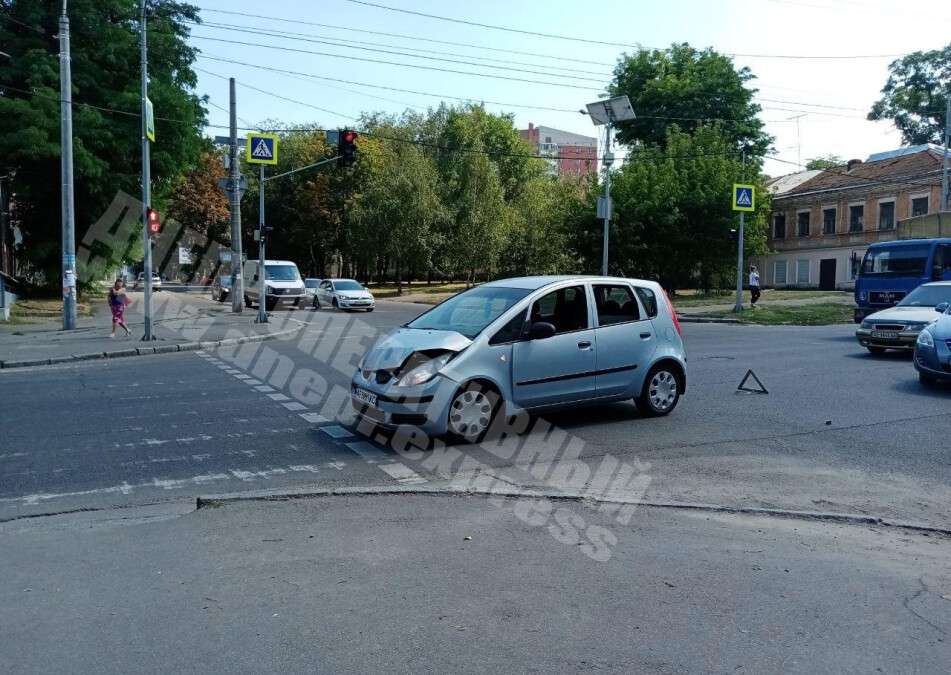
894	166
783	184
560	137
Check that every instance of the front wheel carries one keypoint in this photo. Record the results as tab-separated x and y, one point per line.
369	309
876	351
661	392
472	411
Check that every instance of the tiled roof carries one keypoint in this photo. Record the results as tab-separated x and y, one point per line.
868	174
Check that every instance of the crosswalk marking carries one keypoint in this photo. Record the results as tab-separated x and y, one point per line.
336	431
402	473
294	405
369	452
279	397
314	418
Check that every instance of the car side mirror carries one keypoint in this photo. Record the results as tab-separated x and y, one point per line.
541	330
941	308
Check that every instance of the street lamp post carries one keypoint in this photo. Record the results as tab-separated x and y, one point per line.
66	175
608	112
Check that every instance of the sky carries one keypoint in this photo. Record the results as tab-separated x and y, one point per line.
811	106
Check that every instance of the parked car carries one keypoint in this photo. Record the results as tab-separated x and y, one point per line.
282	284
524	344
310	289
898	327
345	294
140	282
933	349
221	288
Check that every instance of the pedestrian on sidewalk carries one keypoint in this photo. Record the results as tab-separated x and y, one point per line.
754	285
118	301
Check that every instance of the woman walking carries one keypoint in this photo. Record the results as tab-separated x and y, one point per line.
118	301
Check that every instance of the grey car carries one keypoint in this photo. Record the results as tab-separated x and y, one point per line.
524	344
933	349
898	327
345	294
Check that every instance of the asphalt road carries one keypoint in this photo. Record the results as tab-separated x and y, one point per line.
839	430
435	584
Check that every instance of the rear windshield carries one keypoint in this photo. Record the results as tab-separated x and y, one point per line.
899	261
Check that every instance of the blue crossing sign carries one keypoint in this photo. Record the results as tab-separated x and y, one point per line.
743	197
261	149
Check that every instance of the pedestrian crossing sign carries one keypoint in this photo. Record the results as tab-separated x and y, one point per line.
261	149
743	199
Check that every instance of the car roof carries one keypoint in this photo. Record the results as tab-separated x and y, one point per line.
534	283
910	242
340	279
938	283
278	262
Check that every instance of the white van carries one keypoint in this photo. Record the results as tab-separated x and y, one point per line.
282	284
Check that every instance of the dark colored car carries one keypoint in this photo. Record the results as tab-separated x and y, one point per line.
221	288
933	349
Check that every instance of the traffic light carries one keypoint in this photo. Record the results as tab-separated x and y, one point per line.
346	148
152	218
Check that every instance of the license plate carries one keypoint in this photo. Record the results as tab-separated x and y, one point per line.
885	334
365	396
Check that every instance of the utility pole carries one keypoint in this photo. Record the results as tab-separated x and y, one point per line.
146	177
66	174
262	298
947	141
608	161
237	285
739	252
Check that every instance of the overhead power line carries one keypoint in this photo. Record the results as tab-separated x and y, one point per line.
402	65
572	38
404	36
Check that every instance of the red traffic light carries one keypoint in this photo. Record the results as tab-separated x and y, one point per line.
153	220
349	136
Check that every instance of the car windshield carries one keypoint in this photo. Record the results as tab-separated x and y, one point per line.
471	311
347	285
282	273
311	283
927	296
224	281
900	260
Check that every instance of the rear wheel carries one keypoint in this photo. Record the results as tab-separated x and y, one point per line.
661	391
877	351
472	412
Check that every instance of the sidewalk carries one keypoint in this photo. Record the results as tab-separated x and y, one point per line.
180	323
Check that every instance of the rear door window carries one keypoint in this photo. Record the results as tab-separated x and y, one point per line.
648	299
616	304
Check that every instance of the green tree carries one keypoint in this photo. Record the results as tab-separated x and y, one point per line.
689	87
914	96
673	212
824	162
105	57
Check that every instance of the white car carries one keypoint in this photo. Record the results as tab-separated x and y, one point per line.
140	282
345	294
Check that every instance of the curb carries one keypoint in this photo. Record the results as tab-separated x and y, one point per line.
825	516
142	351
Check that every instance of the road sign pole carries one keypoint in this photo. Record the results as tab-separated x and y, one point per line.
66	171
739	252
146	179
262	296
237	283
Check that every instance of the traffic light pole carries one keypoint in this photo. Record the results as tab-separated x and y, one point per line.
262	296
146	179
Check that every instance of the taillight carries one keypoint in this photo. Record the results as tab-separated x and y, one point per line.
673	314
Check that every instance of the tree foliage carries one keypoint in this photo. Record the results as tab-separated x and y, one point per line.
824	162
690	88
914	96
105	57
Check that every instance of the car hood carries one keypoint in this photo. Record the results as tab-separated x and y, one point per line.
942	328
392	350
355	295
915	314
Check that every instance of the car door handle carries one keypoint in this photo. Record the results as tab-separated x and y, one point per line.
645	336
584	344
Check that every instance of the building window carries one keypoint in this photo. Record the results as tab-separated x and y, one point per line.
856	218
886	216
779	273
919	206
779	226
802	223
548	139
828	221
802	271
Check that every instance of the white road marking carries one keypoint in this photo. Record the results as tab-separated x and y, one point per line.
242	376
336	431
253	382
314	418
279	397
294	405
402	473
264	388
370	453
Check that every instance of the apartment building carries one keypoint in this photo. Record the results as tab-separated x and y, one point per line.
823	221
569	154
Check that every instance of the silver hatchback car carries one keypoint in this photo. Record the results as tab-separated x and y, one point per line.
524	344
